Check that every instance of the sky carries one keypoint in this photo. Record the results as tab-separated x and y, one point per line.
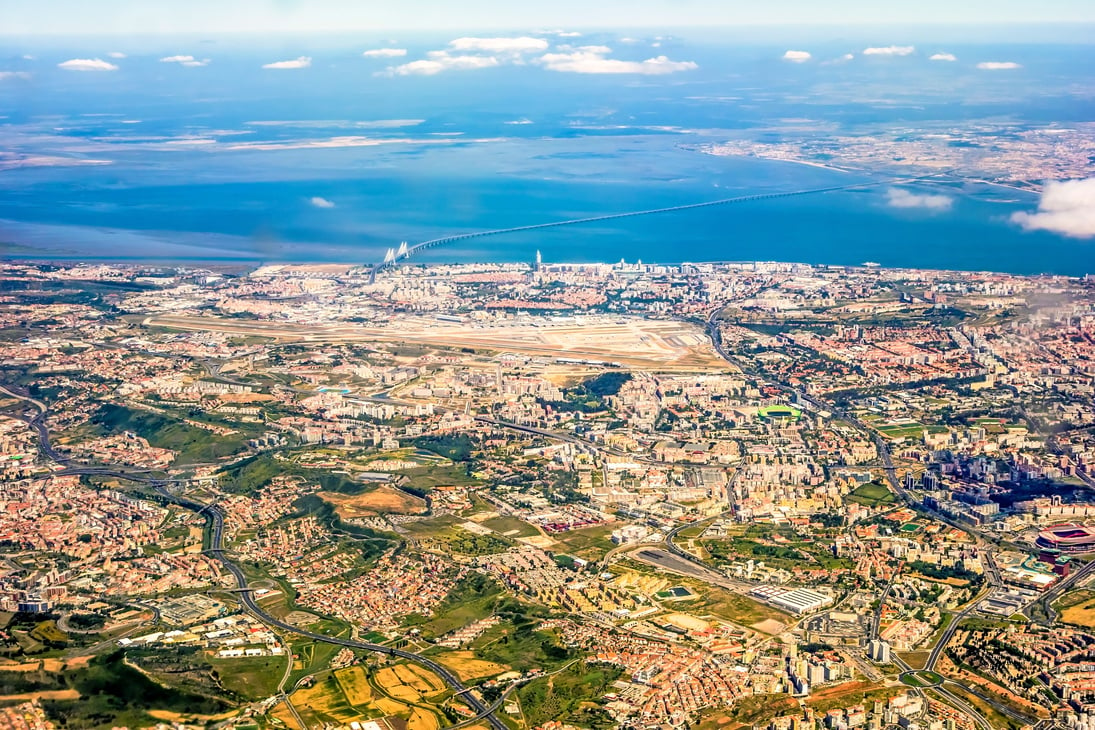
124	17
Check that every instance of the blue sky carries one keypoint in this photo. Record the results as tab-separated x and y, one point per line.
122	17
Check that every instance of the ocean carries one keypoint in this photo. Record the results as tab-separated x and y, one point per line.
333	162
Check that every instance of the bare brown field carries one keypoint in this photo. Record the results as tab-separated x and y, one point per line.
916	659
383	499
244	397
769	626
641	343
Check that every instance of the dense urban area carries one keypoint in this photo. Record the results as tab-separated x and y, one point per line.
546	496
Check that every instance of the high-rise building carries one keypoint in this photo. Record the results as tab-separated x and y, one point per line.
878	651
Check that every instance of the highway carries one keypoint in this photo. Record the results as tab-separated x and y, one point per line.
1046	599
888	466
244	592
38	423
633	214
247	601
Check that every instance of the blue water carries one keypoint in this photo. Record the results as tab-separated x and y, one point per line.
595	145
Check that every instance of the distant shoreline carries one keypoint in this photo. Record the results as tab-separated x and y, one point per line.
248	265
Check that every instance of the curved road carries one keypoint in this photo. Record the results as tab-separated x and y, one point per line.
247	599
244	592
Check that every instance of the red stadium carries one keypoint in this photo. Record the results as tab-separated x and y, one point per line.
1069	538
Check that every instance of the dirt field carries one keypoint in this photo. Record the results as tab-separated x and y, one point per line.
467	667
245	397
383	499
661	345
768	626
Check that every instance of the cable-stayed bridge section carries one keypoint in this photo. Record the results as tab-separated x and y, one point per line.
394	256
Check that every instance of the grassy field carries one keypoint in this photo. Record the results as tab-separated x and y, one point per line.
516	645
872	494
899	430
471	599
354	694
1078	607
731	607
114	694
915	659
750	710
996	718
849	693
251	677
511	527
324	702
355	686
449	475
588	543
315	656
557	696
193	444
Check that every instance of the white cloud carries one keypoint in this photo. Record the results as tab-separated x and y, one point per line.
523	44
899	198
385	53
28	57
116	54
319	202
997	65
441	61
588	62
301	62
87	64
1067	207
840	59
797	56
558	33
5	75
599	50
521	121
185	60
943	57
889	51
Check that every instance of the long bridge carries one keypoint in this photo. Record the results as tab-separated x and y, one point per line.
405	251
